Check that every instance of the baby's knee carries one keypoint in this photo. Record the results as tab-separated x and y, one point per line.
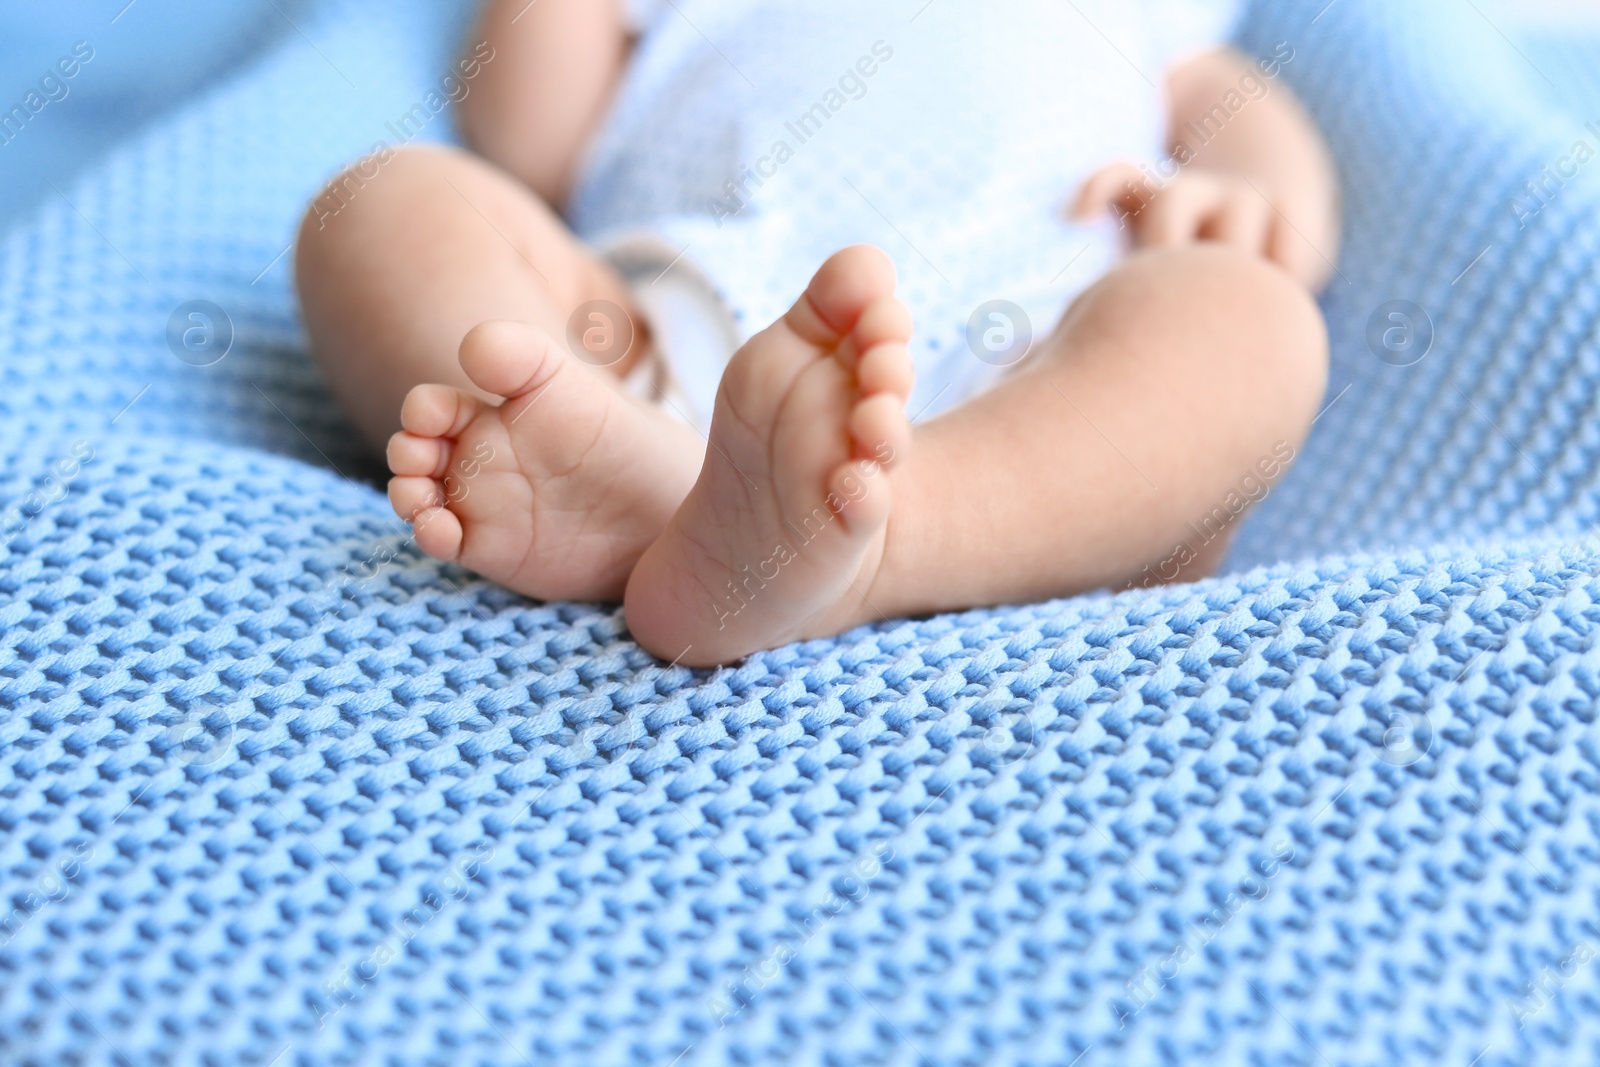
1247	318
369	196
1280	316
1279	326
364	216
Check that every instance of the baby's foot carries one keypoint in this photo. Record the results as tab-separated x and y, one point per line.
553	493
782	535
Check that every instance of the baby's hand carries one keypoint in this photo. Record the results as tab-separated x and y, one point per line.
1197	205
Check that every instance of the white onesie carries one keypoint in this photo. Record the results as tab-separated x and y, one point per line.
750	139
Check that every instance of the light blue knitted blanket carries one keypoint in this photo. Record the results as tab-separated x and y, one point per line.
276	790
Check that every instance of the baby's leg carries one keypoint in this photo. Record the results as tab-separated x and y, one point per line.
396	266
1167	390
1122	452
437	300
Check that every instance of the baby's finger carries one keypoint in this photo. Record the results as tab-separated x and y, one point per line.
1175	216
1291	251
1244	220
1105	187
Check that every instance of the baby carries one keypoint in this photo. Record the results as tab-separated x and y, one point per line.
1107	228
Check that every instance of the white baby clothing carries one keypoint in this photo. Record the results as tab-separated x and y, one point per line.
750	139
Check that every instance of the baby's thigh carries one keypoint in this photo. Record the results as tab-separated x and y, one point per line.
401	256
446	219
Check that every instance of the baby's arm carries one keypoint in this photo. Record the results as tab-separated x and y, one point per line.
1272	142
534	105
1261	179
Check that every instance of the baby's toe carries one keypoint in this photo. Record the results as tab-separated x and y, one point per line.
410	496
438	532
880	429
886	368
843	287
438	411
508	358
884	321
859	491
426	457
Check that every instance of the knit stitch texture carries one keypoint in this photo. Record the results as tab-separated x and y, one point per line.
275	789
